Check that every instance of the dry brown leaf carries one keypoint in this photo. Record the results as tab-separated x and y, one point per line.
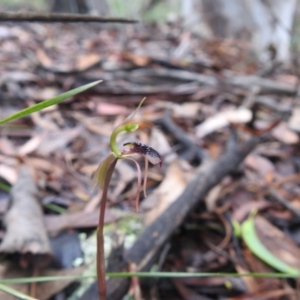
249	281
7	147
8	173
86	61
93	203
187	110
45	165
204	92
215	150
43	58
20	76
55	140
288	78
80	193
109	109
256	285
89	170
222	119
39	94
261	165
167	192
212	197
285	135
159	142
93	125
31	145
47	62
9	161
10	271
243	211
277	242
43	122
138	60
294	121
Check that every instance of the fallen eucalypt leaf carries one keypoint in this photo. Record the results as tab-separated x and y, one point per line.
103	176
256	246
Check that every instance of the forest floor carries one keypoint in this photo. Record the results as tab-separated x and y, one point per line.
226	199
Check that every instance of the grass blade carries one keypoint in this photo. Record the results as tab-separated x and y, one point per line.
49	102
148	275
15	293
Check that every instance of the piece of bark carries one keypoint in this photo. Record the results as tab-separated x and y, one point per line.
26	233
155	235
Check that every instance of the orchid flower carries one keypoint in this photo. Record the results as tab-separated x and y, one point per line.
103	176
129	148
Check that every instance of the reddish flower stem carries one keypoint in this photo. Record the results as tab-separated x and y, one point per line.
100	238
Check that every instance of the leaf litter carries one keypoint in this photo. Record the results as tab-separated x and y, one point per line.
180	75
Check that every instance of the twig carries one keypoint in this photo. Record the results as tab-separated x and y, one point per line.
33	285
250	99
147	81
193	150
284	202
41	17
241	81
273	104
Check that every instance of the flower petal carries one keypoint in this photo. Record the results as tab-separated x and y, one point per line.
145	177
139	177
131	116
126	126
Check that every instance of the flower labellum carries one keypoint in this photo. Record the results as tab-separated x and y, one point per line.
150	154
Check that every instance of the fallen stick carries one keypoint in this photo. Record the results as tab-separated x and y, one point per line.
241	81
284	202
156	234
50	18
147	81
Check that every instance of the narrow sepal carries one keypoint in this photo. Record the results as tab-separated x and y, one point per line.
100	174
139	183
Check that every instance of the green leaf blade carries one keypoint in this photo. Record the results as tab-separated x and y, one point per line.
258	248
49	102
